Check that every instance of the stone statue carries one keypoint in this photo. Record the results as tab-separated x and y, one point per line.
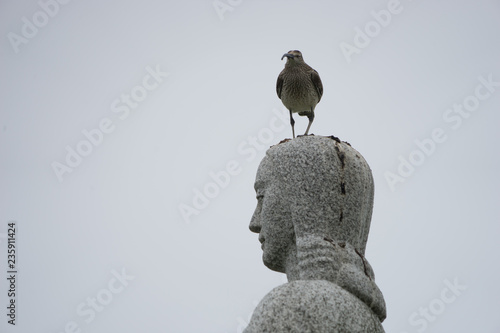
315	200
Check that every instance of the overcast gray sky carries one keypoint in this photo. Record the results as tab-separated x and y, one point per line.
131	132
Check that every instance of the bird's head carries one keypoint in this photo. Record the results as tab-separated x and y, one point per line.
293	57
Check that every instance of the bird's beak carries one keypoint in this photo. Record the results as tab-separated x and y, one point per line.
288	55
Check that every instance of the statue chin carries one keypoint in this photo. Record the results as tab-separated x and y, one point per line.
272	265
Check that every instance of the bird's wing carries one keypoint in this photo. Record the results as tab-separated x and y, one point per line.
279	85
317	83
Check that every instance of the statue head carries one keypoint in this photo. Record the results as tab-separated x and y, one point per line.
311	188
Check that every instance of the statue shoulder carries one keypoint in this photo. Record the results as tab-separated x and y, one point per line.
312	306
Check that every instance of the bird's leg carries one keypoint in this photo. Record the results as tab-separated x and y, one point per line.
292	122
311	119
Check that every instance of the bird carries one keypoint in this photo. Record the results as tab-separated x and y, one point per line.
299	87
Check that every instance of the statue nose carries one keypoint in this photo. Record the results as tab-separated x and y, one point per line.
255	223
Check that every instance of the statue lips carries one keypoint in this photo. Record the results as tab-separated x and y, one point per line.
261	240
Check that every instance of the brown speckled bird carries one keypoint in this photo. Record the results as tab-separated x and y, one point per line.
299	87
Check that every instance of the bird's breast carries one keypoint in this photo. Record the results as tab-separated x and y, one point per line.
298	94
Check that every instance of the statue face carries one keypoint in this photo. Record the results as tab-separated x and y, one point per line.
272	221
